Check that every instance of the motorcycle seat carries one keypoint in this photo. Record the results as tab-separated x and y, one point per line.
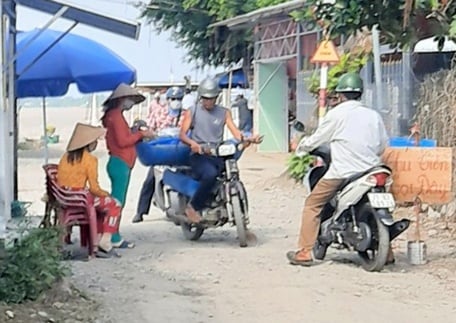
180	182
357	176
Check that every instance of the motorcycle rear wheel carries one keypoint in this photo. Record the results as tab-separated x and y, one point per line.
191	232
319	250
239	220
374	258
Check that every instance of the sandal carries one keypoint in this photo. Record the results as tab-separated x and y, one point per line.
124	244
193	216
101	253
292	257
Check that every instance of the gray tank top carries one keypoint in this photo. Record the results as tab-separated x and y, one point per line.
208	125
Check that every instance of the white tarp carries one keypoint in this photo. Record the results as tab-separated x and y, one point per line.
429	45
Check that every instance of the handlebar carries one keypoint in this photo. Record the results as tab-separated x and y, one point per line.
239	146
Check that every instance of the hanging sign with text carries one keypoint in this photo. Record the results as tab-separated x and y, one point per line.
422	172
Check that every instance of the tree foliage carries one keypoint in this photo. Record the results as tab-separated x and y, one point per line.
401	22
349	62
189	21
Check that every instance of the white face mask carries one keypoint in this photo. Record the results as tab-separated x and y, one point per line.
175	105
127	104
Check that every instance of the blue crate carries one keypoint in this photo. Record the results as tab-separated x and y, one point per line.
410	142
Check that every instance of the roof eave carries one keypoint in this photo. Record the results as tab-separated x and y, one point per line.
94	19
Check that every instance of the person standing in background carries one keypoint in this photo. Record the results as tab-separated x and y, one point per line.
120	142
156	105
166	117
245	115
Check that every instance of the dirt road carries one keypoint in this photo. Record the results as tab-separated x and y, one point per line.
168	279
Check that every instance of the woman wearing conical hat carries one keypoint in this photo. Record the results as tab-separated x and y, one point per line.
78	169
121	141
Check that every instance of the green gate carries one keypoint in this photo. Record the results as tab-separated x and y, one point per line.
272	106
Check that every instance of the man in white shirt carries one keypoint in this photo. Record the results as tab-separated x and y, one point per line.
189	100
357	139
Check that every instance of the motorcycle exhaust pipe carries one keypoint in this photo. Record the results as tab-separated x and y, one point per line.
398	227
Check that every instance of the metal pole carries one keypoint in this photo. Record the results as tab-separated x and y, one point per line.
299	61
322	93
407	84
57	15
12	102
93	111
46	152
5	199
377	68
25	69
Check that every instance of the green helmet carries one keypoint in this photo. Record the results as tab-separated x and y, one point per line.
350	82
208	88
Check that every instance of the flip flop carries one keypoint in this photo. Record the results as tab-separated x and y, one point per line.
124	245
101	253
291	256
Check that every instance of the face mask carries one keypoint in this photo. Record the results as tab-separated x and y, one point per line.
93	146
127	104
175	105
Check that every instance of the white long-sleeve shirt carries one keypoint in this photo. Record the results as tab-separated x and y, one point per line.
357	139
188	101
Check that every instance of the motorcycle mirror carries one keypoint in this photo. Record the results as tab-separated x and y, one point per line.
298	126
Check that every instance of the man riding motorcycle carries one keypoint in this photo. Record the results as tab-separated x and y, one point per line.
357	139
207	122
163	117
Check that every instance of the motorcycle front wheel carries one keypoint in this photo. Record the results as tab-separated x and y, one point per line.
374	258
239	220
191	232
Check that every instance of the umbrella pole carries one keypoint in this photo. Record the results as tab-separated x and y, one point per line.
46	152
93	111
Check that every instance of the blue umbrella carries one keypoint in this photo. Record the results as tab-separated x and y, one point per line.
238	79
48	61
60	59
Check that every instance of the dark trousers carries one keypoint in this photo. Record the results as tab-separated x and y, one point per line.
246	121
205	169
147	192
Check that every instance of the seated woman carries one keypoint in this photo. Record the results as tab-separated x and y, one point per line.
77	168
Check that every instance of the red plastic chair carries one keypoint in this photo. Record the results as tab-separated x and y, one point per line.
73	207
50	218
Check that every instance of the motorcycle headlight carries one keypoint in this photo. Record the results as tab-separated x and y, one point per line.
226	150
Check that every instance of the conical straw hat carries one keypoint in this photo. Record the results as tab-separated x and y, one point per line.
123	91
84	134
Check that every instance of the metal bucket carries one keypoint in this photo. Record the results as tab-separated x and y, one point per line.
416	252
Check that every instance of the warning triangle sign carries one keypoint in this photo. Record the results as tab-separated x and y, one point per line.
325	53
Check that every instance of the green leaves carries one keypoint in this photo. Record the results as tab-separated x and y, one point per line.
297	167
32	266
189	20
348	63
401	22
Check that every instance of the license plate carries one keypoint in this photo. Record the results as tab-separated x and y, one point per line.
381	200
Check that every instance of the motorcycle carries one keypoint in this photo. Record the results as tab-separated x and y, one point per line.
359	218
175	186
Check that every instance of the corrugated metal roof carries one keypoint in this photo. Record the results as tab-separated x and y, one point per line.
253	17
